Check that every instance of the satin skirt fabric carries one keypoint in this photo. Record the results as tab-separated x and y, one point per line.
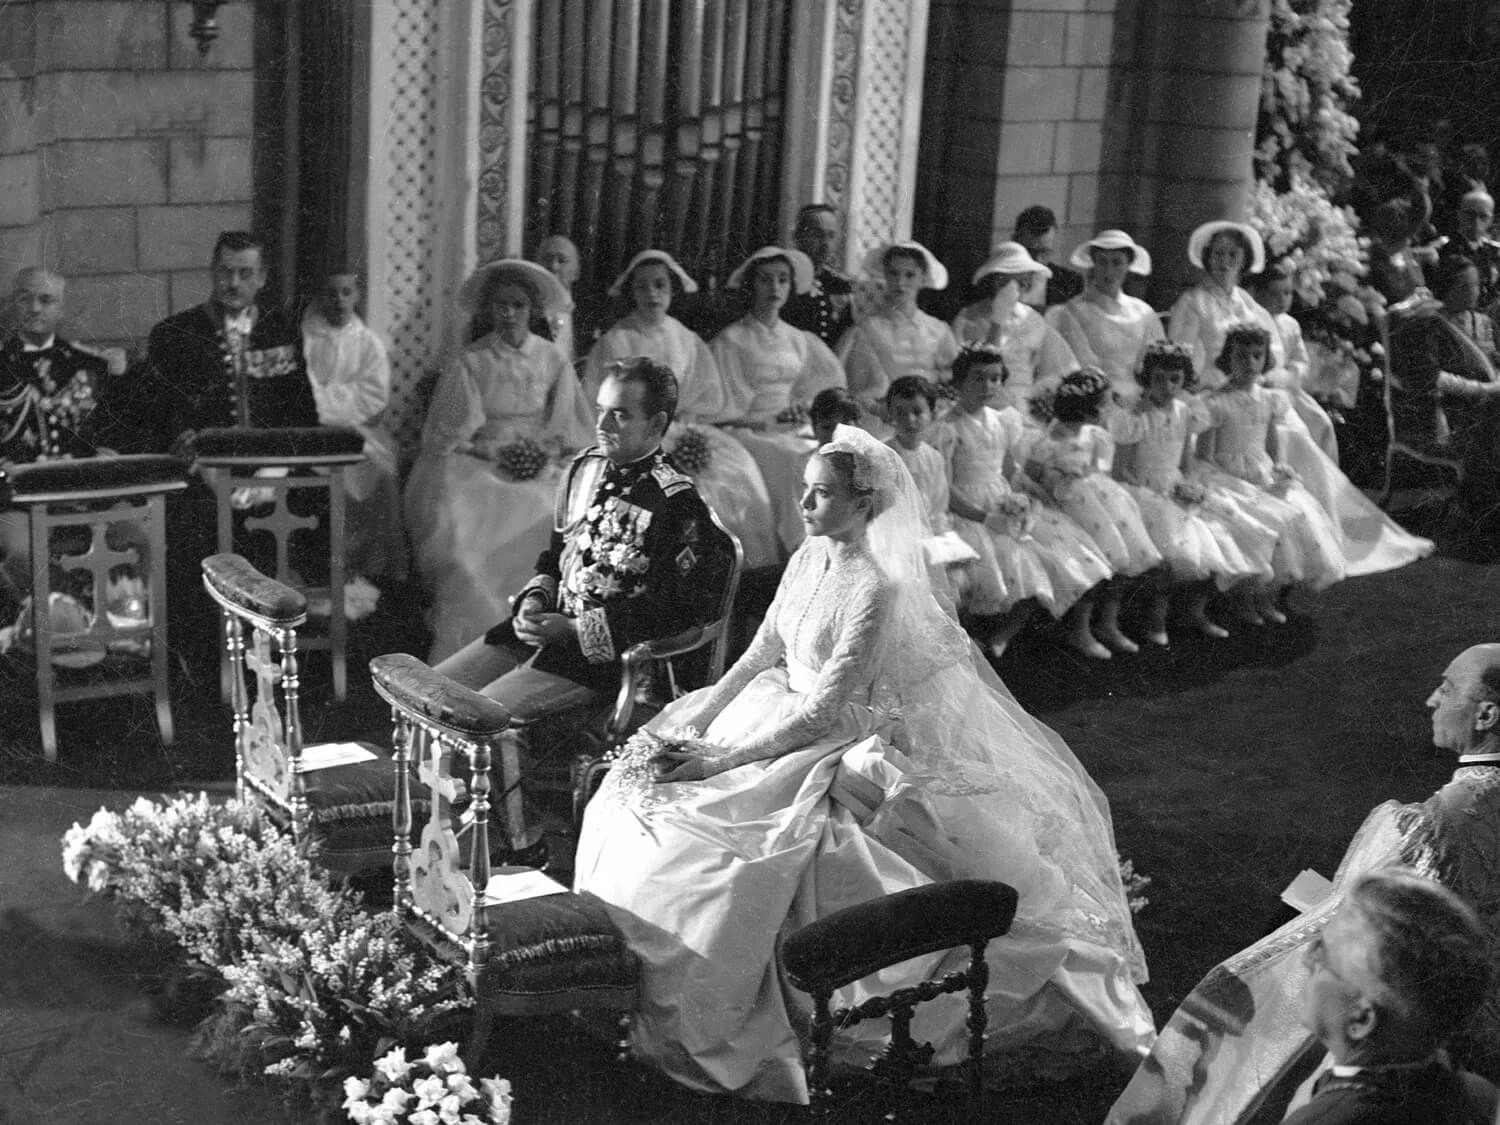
703	879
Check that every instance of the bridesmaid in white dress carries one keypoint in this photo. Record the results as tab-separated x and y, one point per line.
1068	466
1029	555
477	526
1242	454
1369	540
1105	326
729	482
1204	539
772	372
859	721
898	338
1036	356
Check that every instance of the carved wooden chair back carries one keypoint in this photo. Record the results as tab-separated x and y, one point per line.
93	501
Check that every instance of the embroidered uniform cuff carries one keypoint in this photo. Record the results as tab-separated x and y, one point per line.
594	641
543	584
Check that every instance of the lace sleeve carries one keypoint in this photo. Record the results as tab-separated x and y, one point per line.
848	667
765	649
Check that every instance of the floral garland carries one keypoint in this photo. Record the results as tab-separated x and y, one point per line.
310	985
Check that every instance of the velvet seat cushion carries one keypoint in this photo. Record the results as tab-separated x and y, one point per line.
852	943
555	954
278	444
351	806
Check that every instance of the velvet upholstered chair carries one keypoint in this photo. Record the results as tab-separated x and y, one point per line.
850	944
102	518
340	798
529	946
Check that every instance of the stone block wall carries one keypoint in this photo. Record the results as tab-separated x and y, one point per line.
123	153
1050	149
1016	94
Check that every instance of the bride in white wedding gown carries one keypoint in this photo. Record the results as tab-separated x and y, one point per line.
861	746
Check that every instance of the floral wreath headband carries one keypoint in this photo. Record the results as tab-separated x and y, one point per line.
1171	355
1086	382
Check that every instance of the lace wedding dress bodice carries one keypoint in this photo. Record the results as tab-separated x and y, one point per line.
825	626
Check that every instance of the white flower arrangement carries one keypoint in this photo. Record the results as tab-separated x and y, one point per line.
316	985
432	1090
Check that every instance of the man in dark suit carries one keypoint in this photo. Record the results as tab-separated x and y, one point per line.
1036	229
226	362
827	309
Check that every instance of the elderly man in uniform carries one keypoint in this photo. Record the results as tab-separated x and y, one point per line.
826	310
47	389
1235	1050
622	567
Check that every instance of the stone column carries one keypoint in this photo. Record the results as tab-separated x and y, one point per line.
1180	124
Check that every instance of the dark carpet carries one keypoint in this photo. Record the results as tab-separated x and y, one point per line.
1230	766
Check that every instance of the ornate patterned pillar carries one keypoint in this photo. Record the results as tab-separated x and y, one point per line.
857	108
421	213
501	203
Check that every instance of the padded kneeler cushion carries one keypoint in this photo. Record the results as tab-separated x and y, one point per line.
350	806
852	943
555	953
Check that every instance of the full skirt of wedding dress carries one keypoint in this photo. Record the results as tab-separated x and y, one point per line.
703	879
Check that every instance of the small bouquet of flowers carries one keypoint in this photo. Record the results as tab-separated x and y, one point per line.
794	415
1012	515
432	1090
1189	493
522	459
692	453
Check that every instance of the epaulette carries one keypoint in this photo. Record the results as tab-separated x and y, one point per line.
672	481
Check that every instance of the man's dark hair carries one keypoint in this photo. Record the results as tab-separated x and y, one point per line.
237	240
816	209
1036	219
658	384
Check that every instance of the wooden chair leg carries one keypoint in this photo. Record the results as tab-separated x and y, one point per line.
818	1094
41	631
1389	486
509	753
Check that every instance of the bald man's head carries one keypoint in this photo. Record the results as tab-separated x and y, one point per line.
37	303
1466	705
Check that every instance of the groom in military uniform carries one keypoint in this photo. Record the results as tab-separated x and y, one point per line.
623	565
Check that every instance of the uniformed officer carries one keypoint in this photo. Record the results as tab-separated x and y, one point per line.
622	567
47	389
827	309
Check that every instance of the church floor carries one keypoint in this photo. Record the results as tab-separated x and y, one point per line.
1230	766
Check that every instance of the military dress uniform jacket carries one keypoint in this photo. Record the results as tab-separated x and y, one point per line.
193	380
45	397
624	563
827	311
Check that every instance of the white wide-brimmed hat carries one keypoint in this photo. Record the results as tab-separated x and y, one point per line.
553	295
1140	261
802	268
1200	238
1010	258
687	283
937	273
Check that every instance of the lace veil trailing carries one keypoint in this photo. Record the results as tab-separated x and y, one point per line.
1031	815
